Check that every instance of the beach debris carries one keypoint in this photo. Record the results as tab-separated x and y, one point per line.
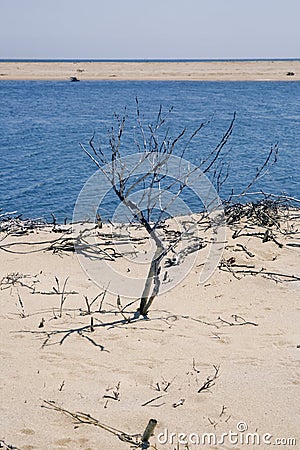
15	225
223	410
163	385
221	418
74	79
92	329
210	380
22	312
121	310
16	279
114	392
62	292
212	422
83	242
99	223
56	291
238	269
238	321
89	303
194	367
293	244
180	403
82	418
266	212
88	338
41	324
195	372
153	400
243	247
230	261
290	74
149	431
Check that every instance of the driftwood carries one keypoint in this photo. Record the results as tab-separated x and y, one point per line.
149	430
238	321
153	399
17	279
67	242
272	213
15	225
136	440
238	269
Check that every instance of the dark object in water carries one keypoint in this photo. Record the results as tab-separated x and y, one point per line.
290	74
74	79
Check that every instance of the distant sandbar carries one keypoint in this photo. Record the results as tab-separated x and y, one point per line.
283	70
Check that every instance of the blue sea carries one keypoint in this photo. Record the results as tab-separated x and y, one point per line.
42	124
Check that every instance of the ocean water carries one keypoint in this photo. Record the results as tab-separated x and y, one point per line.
42	124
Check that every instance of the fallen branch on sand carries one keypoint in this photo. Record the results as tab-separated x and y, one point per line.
50	336
16	279
275	276
84	243
17	226
267	212
136	440
238	321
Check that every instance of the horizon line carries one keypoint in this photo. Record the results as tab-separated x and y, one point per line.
144	59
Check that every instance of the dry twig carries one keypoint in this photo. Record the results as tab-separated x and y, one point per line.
210	381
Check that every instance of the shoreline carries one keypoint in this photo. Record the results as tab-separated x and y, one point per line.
244	70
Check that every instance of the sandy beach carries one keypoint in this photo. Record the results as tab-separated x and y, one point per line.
214	357
194	71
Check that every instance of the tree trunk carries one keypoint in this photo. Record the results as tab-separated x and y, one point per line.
152	278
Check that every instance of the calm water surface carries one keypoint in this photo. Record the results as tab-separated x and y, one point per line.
42	123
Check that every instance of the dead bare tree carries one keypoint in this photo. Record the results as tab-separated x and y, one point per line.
149	175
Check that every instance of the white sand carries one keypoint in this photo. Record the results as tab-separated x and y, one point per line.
259	373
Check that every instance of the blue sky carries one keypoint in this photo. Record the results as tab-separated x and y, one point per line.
151	29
